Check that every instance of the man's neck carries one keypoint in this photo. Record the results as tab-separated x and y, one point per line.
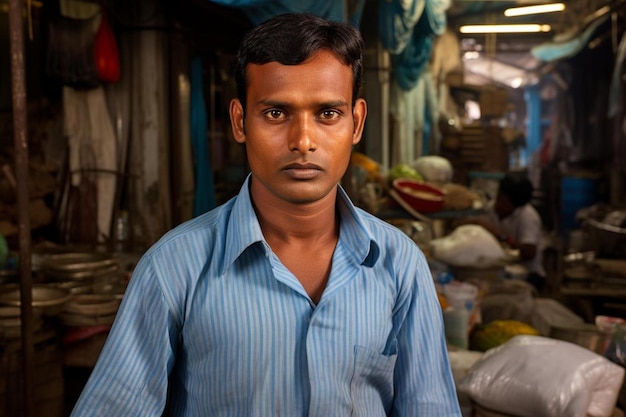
286	222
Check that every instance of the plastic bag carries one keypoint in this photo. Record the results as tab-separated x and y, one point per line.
535	376
469	245
434	168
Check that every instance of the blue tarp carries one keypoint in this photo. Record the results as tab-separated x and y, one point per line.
259	11
552	51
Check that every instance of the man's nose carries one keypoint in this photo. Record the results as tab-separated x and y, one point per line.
302	135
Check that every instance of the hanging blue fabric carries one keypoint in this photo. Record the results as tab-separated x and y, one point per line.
409	64
435	16
407	31
259	11
205	189
396	21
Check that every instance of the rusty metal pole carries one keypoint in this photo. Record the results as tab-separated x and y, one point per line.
21	173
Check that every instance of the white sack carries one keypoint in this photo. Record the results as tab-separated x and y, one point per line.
434	168
535	376
469	245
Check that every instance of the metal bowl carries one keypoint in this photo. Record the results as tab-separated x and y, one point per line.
92	304
77	262
608	240
48	299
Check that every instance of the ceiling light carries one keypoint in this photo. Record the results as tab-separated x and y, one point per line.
530	28
540	8
471	55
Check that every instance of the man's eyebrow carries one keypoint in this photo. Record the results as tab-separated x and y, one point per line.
337	103
272	103
321	105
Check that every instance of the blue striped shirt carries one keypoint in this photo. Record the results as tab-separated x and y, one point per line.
214	323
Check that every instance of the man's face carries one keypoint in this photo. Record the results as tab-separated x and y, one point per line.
299	126
503	206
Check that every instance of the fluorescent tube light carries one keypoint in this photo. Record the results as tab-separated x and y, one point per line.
530	28
540	8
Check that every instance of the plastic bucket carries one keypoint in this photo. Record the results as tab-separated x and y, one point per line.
462	314
577	192
461	294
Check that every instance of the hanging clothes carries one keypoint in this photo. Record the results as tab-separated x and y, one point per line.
407	31
396	21
92	152
414	116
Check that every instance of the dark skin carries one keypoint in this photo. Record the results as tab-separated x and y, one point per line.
299	129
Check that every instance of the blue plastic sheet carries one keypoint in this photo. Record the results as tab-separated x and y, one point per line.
205	189
552	51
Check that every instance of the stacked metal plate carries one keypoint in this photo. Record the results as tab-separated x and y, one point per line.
46	299
95	281
78	266
86	310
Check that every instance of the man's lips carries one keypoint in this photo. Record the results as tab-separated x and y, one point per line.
302	171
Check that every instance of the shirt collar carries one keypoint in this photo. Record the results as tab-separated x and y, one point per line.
244	230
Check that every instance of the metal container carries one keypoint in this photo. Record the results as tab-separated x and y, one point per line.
47	299
609	241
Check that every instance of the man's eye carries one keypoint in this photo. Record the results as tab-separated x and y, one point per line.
275	114
329	114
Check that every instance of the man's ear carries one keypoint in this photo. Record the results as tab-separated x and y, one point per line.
359	113
237	120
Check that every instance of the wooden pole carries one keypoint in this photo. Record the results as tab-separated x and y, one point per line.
21	173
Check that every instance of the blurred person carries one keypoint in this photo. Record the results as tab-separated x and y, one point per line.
516	223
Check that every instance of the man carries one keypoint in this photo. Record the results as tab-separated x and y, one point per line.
287	300
516	223
519	225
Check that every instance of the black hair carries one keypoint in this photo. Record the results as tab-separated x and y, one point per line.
290	39
517	188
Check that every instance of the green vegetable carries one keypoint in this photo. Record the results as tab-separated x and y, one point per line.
404	171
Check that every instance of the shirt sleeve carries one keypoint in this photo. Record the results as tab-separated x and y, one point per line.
423	379
131	374
529	228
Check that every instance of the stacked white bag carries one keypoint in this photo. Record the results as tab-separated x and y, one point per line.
535	376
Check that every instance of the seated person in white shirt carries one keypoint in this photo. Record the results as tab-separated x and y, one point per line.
515	222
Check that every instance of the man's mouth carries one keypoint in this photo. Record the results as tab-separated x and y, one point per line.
304	171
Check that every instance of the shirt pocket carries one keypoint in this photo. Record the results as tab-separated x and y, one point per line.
371	388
